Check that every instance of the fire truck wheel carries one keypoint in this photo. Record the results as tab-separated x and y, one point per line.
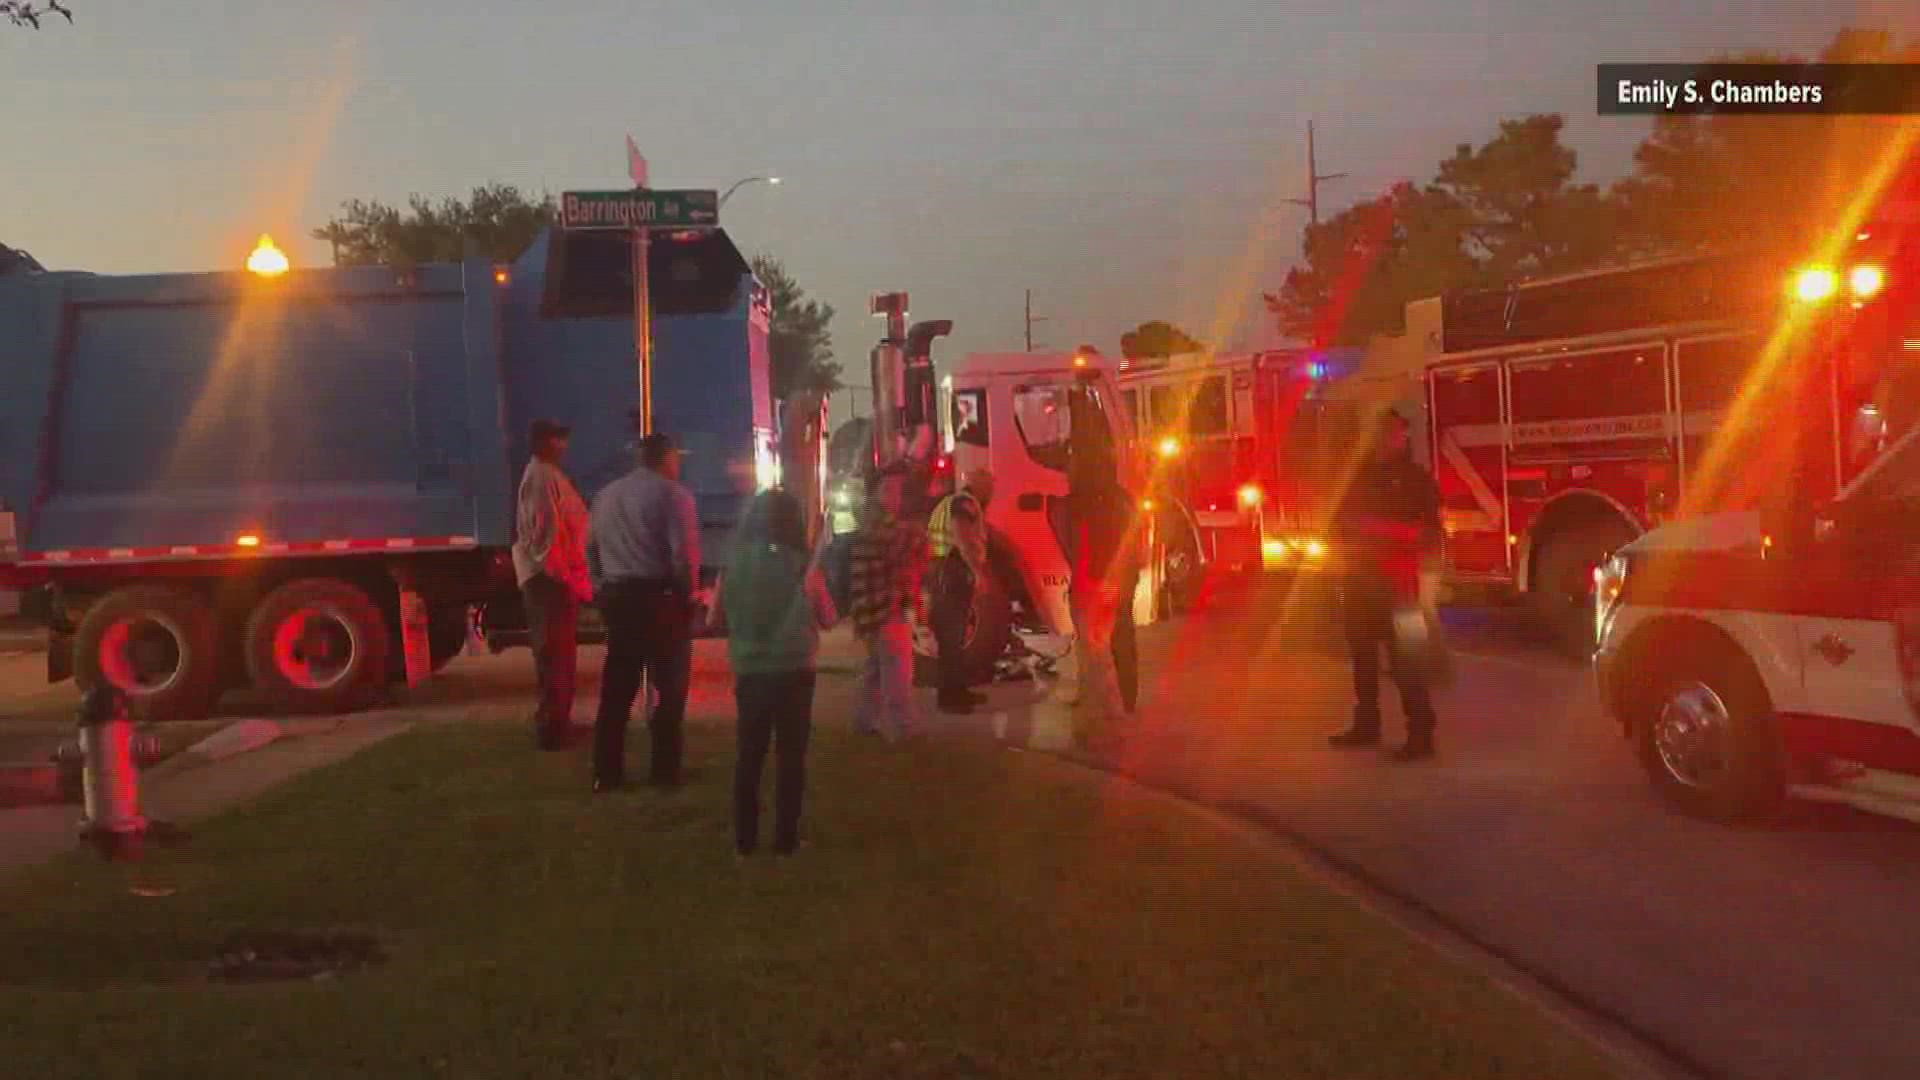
1561	592
318	645
1180	572
156	644
1703	734
446	633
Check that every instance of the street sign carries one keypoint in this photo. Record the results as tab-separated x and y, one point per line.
643	209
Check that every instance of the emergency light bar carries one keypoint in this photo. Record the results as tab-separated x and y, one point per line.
1818	284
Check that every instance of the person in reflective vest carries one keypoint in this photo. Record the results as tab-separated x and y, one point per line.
957	548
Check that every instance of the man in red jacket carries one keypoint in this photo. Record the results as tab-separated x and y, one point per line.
1388	523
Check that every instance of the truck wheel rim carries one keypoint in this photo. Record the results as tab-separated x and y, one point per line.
142	655
1692	734
315	648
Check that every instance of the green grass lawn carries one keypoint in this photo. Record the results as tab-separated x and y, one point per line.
963	912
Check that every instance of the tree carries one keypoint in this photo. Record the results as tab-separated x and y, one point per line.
800	338
496	219
1505	210
1710	180
1365	263
1526	216
26	14
1158	339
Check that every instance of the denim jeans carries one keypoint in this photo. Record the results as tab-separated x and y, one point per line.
776	712
886	691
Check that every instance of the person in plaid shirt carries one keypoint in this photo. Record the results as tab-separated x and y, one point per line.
888	557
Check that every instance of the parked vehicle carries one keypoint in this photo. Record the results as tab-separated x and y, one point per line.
1766	642
304	481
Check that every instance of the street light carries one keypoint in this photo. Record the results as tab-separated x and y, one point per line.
737	184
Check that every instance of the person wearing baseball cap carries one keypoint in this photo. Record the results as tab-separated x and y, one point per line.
550	564
643	557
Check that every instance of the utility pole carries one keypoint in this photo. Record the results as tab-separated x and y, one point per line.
1031	320
1314	179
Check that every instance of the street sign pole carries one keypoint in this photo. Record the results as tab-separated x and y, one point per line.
643	326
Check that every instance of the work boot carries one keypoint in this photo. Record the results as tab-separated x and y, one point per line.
1417	748
956	706
975	697
1359	736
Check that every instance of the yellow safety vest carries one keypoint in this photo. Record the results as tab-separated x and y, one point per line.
940	525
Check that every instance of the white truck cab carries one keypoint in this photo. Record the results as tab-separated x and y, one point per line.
1015	415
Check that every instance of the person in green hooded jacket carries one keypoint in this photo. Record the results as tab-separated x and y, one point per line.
774	603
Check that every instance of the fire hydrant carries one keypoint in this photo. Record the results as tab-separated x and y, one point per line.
111	778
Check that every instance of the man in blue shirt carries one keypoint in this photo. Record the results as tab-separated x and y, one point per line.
643	555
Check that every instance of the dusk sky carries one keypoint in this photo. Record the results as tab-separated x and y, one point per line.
1124	160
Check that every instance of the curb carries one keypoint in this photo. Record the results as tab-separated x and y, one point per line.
1637	1053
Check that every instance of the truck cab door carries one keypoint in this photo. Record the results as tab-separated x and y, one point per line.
1859	636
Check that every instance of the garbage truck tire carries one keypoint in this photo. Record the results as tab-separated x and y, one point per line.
318	645
157	644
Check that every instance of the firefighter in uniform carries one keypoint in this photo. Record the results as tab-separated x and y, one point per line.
1388	527
957	548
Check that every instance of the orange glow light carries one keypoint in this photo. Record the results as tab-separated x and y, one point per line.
247	540
266	259
1866	281
500	276
1815	283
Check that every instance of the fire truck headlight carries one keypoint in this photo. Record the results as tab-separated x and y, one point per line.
1250	495
1169	447
1815	283
1865	282
1314	549
1275	550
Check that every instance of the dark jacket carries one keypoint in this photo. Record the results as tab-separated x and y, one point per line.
1389	519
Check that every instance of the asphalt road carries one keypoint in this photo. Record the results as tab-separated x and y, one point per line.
1782	952
1785	951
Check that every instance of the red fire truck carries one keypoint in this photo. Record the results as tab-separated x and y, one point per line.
1569	416
1246	443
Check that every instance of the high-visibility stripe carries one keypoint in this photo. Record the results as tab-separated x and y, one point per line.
181	552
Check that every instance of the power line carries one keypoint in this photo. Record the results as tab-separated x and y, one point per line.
1314	179
1031	320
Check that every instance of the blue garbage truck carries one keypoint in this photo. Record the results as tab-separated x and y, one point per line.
304	482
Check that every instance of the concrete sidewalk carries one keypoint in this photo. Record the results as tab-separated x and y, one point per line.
184	791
